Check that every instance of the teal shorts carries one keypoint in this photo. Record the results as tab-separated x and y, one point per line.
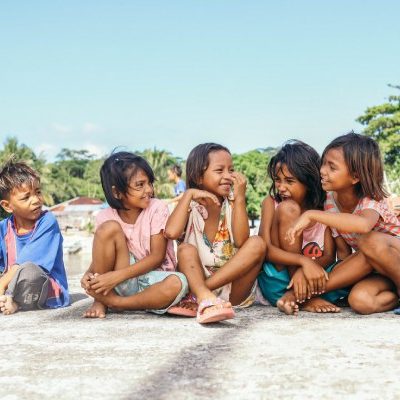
273	284
142	282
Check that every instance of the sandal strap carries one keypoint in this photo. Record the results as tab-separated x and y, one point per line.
206	303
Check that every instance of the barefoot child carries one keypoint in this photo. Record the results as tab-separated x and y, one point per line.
217	256
31	257
133	263
295	272
356	209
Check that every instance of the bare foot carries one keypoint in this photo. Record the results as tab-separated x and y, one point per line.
8	305
287	304
214	309
218	305
97	310
319	305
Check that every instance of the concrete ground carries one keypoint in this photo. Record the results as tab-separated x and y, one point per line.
261	354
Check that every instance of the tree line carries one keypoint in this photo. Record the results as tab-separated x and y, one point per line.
76	172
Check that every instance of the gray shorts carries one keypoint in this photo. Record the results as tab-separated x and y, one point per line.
142	282
29	287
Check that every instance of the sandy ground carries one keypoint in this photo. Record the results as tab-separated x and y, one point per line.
261	354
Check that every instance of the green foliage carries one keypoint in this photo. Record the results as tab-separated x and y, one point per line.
76	173
160	161
382	123
253	165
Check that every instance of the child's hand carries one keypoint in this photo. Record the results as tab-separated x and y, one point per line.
202	195
298	227
85	281
300	286
239	185
104	283
316	276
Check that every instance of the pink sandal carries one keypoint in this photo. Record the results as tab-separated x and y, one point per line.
219	313
181	308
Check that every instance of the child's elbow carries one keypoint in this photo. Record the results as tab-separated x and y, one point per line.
170	233
365	228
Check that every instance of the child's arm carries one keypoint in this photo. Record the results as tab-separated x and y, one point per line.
343	250
346	222
103	283
311	270
329	255
6	278
177	221
240	219
275	254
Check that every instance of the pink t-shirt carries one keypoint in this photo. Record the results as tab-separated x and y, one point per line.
387	222
151	221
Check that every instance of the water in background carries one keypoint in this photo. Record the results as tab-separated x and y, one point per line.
77	264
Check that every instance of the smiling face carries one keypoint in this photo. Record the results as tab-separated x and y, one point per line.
139	193
335	175
217	178
25	203
287	186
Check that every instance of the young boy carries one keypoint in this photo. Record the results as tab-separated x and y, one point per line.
31	257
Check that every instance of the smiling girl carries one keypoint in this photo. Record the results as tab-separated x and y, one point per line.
356	210
294	273
133	263
217	256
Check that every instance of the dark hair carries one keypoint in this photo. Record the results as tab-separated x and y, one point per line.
117	170
363	159
14	175
304	163
176	169
198	162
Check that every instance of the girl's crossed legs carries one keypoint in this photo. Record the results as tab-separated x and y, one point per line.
241	270
110	253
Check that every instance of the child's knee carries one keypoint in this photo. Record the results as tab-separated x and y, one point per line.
172	286
29	286
109	229
362	302
371	243
257	247
186	249
288	210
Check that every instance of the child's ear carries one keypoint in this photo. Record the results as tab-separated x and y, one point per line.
6	206
355	179
116	193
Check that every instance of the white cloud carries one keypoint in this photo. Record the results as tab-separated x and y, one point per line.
49	150
98	151
60	129
90	128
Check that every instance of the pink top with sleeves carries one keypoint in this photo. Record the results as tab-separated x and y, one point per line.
151	221
387	222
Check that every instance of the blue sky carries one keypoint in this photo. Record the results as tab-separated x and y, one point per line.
172	74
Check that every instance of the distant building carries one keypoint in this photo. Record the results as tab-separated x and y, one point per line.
77	213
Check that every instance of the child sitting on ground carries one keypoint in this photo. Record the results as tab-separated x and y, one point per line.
217	256
293	273
31	256
133	263
356	209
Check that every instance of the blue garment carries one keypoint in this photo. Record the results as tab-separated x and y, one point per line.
43	247
273	284
180	187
